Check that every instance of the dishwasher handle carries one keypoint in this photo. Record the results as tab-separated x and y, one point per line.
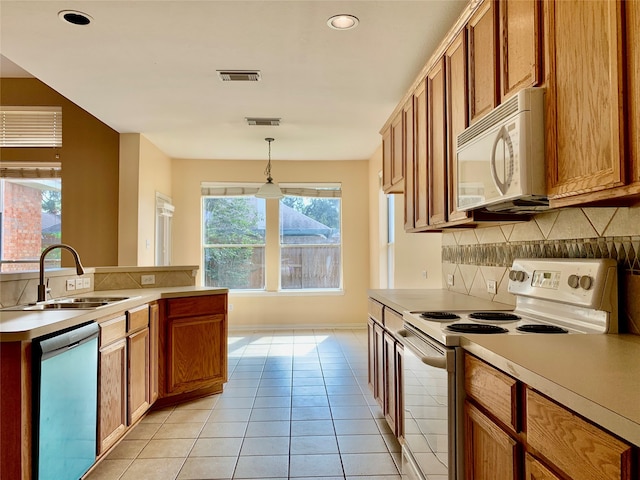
439	361
59	344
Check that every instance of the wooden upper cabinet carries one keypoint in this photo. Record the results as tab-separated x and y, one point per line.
386	159
457	113
437	144
520	41
421	178
393	156
633	81
585	143
409	149
483	64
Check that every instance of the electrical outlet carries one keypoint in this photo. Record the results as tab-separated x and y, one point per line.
230	307
424	274
71	284
491	287
450	279
79	283
148	279
86	282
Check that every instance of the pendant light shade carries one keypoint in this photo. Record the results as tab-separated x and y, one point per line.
269	189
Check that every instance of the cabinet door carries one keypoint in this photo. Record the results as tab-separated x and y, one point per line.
490	453
633	78
397	151
399	390
584	97
138	370
519	46
371	351
457	115
378	394
421	179
390	380
154	325
534	470
409	174
112	394
196	353
437	144
483	66
386	160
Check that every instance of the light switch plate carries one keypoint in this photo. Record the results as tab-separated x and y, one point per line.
450	279
491	286
147	279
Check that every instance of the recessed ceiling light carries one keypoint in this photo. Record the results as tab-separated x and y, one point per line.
343	21
75	17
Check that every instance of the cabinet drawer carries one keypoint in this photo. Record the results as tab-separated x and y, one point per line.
137	318
392	320
375	310
578	448
195	306
494	390
112	330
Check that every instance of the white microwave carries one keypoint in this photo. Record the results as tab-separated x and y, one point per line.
500	162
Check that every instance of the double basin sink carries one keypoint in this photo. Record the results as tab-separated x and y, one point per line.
78	303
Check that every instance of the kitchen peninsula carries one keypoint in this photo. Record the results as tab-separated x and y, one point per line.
157	346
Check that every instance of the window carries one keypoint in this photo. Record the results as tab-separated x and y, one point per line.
30	215
233	242
240	238
164	214
310	254
30	126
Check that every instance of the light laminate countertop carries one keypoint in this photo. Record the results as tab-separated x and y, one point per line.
26	325
597	376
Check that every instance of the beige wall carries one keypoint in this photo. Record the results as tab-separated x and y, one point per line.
89	158
144	170
414	253
267	308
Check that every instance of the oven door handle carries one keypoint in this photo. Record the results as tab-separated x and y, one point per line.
436	362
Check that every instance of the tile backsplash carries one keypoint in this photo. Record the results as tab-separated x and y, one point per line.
474	256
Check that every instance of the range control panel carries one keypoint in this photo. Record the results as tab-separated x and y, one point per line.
584	282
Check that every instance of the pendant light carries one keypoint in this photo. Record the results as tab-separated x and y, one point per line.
269	189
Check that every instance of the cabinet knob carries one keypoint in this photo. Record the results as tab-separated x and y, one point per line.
573	281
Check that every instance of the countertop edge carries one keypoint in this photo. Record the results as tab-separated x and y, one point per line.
67	319
589	409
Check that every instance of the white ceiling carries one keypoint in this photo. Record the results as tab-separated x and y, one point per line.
150	67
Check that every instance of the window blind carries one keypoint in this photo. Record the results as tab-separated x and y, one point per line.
30	126
30	170
319	190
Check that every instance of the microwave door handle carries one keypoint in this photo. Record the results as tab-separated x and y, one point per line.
502	186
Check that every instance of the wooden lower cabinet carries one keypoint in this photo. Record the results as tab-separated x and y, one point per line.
138	374
535	470
490	452
554	443
385	358
154	325
193	347
112	422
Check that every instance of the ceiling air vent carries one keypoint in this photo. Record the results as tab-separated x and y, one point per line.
239	75
263	122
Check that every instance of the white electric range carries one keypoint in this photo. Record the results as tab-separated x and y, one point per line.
553	296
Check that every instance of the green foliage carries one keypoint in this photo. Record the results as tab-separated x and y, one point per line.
51	201
323	210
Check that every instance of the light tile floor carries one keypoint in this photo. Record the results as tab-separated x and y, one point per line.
296	406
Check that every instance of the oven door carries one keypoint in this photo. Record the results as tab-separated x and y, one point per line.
432	420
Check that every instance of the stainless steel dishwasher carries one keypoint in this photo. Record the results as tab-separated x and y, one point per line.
65	401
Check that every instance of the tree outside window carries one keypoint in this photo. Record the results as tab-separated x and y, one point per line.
234	242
